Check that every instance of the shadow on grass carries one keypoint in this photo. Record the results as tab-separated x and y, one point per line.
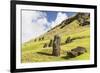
66	57
43	53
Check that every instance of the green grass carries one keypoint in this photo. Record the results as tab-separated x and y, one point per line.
34	51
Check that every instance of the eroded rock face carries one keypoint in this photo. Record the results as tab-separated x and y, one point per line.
76	51
83	19
56	46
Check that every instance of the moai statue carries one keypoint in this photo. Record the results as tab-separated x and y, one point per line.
50	43
45	45
56	46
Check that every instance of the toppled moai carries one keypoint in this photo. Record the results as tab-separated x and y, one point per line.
76	51
79	50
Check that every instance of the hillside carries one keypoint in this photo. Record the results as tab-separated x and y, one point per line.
68	26
76	27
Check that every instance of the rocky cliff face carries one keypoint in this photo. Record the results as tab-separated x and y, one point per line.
83	18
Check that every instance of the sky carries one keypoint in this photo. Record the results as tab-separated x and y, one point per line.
36	23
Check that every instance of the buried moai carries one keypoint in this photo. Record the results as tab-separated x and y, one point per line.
56	46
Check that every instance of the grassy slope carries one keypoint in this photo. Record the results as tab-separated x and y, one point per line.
34	51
